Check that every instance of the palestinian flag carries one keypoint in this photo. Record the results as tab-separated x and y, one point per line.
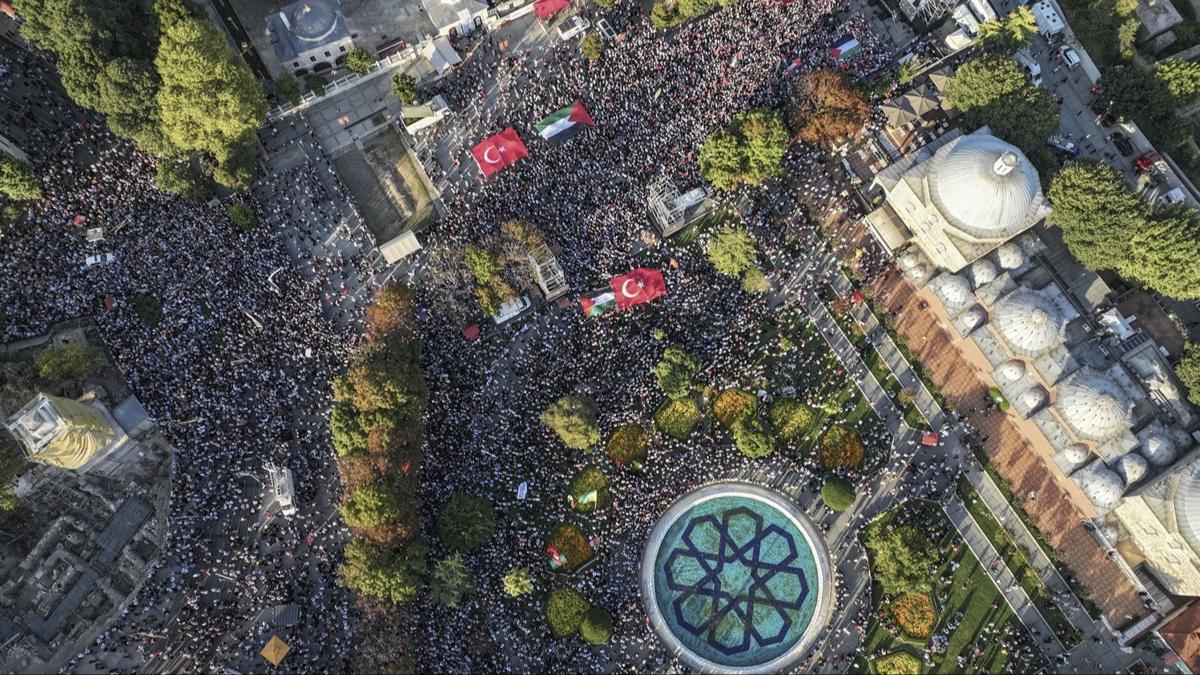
845	47
561	126
599	303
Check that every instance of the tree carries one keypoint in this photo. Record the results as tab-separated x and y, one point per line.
1098	214
182	175
731	250
466	522
389	377
824	107
148	308
750	151
790	417
591	47
405	88
565	608
1188	371
372	505
391	310
902	558
596	627
376	572
209	102
604	3
1009	33
627	445
837	493
451	581
242	216
1135	94
518	582
665	15
287	88
675	371
17	181
994	90
68	363
754	281
753	438
359	60
1166	254
315	83
12	465
1182	78
573	418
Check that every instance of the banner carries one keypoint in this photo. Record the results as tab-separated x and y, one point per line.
639	286
497	152
562	125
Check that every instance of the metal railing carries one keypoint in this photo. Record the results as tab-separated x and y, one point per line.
308	98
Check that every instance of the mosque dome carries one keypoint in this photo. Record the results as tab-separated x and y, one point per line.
1010	256
1029	323
1187	505
1076	454
982	272
983	185
1033	398
1131	467
312	20
1093	406
1012	370
1158	449
954	292
1101	485
918	272
974	318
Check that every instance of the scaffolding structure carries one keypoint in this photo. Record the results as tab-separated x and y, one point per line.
547	272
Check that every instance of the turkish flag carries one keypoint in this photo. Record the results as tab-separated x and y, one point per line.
640	285
497	152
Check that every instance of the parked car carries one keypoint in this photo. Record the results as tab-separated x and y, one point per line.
512	309
1150	162
573	26
98	259
606	30
1062	145
1069	56
1122	143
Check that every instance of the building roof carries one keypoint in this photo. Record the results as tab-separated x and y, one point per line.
1029	322
306	25
984	186
1093	405
1187	506
1183	635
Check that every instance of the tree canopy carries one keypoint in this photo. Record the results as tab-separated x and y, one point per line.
753	438
994	90
1188	371
675	371
1182	78
824	106
749	151
466	522
451	581
372	505
901	558
359	60
388	377
69	362
1166	254
377	572
573	418
1097	212
17	181
731	250
838	493
1010	32
518	582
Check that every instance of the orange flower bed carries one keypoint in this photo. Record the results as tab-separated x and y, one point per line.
841	448
914	615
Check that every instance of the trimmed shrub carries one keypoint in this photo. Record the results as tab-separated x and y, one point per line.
914	615
838	493
897	663
627	446
67	363
733	406
596	627
565	609
572	544
790	418
589	479
573	418
677	418
242	216
841	448
753	438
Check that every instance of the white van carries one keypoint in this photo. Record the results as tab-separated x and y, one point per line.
605	29
512	309
1031	66
1172	197
98	259
1049	23
1070	57
572	27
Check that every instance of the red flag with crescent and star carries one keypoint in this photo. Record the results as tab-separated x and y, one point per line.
640	285
497	152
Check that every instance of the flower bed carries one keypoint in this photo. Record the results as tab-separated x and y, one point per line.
841	448
571	543
897	663
914	615
733	406
627	446
677	418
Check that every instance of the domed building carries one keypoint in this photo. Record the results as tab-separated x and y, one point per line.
958	199
309	36
1030	322
1093	406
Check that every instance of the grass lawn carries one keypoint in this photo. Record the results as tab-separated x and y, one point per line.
423	211
967	598
1018	563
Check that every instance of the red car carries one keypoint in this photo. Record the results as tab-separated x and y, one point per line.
1151	161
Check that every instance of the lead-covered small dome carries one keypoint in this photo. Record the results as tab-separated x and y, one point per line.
1076	454
1131	467
1012	370
1033	398
973	318
1010	256
1028	322
954	292
1158	449
1101	485
1093	405
1187	505
983	185
313	20
982	272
